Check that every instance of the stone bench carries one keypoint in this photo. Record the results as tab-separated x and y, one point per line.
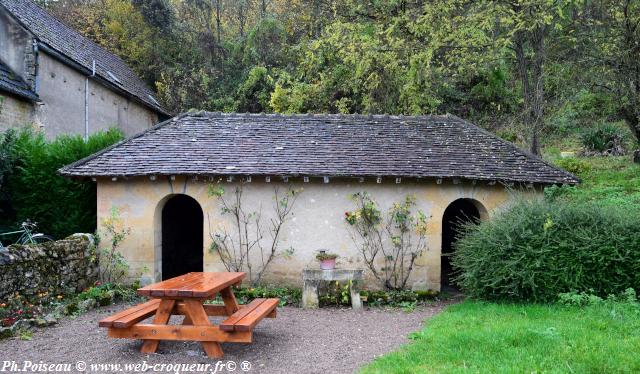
312	277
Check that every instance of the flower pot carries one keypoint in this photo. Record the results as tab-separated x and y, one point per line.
328	264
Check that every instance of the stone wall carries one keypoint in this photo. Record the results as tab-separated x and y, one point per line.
317	220
15	113
59	267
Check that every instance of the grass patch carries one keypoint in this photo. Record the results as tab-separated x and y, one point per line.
608	180
505	338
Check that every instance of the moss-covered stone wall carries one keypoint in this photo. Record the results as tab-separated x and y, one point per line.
62	266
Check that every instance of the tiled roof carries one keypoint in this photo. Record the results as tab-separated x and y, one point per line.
80	50
208	144
14	84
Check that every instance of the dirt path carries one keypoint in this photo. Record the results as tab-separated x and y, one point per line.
327	340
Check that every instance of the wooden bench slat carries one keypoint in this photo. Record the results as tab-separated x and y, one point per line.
108	321
248	322
247	317
228	324
133	318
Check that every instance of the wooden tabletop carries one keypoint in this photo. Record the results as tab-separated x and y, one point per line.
192	285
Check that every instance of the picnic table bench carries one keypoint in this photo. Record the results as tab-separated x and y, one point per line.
185	295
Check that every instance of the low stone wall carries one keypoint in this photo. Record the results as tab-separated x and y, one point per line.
59	267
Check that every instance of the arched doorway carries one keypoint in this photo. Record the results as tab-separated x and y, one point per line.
182	231
457	214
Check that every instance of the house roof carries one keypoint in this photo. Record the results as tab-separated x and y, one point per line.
208	144
14	84
69	44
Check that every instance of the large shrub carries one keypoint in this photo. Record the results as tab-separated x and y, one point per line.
538	249
59	205
603	139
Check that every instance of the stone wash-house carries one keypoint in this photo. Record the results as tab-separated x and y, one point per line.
53	78
159	182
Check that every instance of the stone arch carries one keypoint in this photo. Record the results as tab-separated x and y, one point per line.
178	236
457	213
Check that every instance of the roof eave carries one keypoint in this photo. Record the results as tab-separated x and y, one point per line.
71	174
33	97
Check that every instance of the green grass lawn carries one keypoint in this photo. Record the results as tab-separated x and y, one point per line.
483	337
610	180
479	337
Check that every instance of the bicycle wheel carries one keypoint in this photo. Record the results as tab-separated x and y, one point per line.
42	238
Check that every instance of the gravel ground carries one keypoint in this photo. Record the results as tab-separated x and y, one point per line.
327	340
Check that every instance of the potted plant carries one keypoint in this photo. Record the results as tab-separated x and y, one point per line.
327	260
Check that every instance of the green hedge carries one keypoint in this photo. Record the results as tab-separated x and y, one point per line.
538	249
35	191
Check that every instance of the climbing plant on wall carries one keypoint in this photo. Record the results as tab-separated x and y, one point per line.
388	243
248	243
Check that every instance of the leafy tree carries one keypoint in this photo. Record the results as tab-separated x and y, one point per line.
609	38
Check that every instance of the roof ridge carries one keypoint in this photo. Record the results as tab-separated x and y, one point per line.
513	146
210	114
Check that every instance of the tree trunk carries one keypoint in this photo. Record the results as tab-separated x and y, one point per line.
218	23
537	99
531	72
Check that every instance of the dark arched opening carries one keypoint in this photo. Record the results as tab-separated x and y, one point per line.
457	214
182	231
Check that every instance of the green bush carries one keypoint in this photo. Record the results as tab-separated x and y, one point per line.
7	164
574	165
287	296
536	250
59	205
604	138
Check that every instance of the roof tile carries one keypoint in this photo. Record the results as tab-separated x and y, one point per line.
205	143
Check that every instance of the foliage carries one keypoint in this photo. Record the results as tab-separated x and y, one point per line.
59	205
287	296
20	307
605	139
505	338
337	293
245	247
388	239
574	165
326	256
537	249
537	68
7	165
107	293
612	181
113	266
588	298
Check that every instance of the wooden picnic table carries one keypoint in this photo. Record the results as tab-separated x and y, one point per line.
185	295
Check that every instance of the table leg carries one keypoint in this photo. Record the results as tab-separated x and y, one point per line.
230	302
187	320
165	309
195	311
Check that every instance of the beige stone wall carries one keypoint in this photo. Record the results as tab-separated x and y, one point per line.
15	113
317	223
62	90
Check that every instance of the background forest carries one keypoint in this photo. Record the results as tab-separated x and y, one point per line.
533	71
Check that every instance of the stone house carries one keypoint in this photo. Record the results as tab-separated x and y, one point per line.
54	78
161	180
